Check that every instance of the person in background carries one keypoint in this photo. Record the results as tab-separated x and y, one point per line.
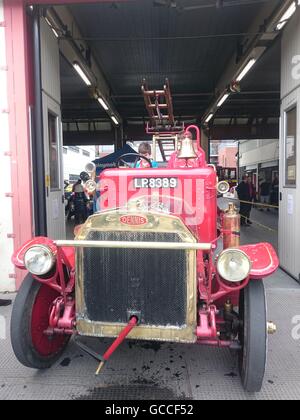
253	197
275	191
245	195
80	203
264	192
78	187
146	150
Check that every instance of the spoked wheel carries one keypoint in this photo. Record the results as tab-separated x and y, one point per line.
30	318
253	336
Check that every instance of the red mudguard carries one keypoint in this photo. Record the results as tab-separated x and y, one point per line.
264	259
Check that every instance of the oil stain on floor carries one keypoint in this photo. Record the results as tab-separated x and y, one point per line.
131	392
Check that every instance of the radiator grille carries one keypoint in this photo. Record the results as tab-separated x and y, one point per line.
152	283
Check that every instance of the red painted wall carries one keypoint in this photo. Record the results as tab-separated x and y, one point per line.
19	97
18	32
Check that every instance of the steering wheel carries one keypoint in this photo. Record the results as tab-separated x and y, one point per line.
129	165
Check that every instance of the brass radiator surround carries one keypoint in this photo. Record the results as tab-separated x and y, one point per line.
156	222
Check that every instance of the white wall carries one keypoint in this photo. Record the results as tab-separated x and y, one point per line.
290	56
50	63
74	163
253	152
289	227
7	283
51	99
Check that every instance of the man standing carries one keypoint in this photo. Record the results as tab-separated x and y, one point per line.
264	194
245	195
80	203
275	191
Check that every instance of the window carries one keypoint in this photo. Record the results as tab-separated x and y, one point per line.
214	148
74	149
291	148
73	178
233	174
53	151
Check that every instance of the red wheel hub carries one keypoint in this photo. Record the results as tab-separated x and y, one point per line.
45	345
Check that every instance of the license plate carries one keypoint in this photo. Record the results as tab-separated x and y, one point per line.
155	182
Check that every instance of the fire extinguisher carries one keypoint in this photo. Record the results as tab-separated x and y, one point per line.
231	227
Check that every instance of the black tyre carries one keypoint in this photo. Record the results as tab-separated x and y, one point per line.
30	318
253	336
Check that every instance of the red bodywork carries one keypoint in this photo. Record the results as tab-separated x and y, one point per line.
194	200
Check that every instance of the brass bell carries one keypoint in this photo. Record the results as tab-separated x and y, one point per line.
187	150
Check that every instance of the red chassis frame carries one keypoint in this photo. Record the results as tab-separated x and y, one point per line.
212	289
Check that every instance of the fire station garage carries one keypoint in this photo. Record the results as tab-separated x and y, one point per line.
193	214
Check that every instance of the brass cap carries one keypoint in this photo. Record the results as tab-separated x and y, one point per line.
228	306
271	328
232	209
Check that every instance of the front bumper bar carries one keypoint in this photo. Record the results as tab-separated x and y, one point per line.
136	245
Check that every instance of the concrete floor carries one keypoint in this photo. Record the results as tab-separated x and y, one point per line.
153	371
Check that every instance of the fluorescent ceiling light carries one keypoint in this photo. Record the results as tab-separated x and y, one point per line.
286	16
209	117
223	99
52	28
115	120
246	69
103	104
82	74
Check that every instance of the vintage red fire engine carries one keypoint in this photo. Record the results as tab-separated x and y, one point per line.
151	265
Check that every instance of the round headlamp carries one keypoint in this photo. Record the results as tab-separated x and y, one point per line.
90	186
223	187
39	260
233	265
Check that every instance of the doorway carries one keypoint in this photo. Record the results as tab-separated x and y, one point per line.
53	168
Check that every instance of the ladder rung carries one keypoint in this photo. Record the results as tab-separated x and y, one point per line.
162	106
154	92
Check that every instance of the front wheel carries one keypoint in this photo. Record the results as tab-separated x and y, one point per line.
253	336
30	318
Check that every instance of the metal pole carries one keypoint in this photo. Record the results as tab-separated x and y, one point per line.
238	165
38	167
183	246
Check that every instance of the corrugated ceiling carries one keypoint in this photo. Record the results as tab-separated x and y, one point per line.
136	40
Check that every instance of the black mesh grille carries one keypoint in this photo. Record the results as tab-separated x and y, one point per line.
120	282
